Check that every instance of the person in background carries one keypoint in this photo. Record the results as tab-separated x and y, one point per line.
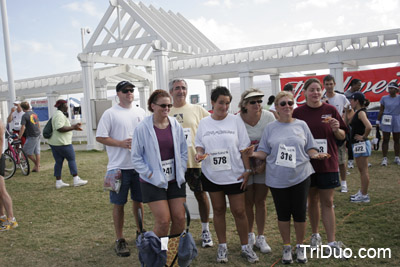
360	129
7	219
14	119
288	88
288	176
342	104
389	121
327	126
31	127
189	117
255	119
219	141
271	100
115	131
355	86
159	155
61	144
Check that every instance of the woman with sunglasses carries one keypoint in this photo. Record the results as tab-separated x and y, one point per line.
288	145
219	139
255	119
159	155
327	126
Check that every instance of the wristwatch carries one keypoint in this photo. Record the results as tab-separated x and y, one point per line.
248	170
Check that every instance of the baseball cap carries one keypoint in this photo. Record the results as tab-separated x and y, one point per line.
253	94
358	96
288	87
393	85
17	102
59	103
122	85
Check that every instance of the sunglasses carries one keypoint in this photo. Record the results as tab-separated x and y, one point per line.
283	103
163	105
125	91
255	101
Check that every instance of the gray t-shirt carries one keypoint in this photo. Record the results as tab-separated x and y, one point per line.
293	136
31	121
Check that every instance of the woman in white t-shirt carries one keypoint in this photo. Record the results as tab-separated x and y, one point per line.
220	137
255	119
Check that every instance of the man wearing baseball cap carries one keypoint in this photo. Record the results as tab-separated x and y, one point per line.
289	88
14	119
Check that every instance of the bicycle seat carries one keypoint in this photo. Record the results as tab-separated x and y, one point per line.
16	142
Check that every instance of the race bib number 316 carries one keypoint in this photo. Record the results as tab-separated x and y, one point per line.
286	156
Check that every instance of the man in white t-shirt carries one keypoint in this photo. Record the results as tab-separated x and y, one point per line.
189	117
115	131
14	119
342	104
289	88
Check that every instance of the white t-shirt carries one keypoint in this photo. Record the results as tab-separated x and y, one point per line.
119	123
16	121
222	140
339	101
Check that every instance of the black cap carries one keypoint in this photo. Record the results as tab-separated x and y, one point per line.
393	85
358	96
122	85
288	87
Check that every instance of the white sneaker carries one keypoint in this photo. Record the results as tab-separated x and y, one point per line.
397	160
79	182
262	244
315	241
287	255
343	188
356	194
300	255
249	254
384	161
251	239
337	250
360	199
350	164
222	255
206	240
369	165
61	184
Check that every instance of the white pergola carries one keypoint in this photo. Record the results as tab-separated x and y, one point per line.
150	46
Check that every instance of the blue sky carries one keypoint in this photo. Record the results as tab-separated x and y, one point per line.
45	34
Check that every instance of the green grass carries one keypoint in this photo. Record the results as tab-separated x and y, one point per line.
73	226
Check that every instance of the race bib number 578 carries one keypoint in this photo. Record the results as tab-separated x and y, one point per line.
220	160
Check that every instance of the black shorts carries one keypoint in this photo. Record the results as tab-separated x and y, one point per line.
2	165
228	189
193	179
151	193
325	180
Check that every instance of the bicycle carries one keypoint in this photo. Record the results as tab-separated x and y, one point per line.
15	151
9	166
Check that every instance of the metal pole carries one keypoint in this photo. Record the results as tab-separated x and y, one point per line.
11	88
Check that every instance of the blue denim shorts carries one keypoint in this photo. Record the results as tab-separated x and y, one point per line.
366	153
130	180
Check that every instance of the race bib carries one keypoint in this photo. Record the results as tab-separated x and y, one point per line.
322	145
286	156
169	169
188	135
359	148
387	119
220	160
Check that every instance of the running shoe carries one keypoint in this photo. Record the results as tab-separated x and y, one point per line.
251	239
315	241
397	160
249	254
206	240
350	164
121	248
343	188
360	199
300	255
222	256
287	255
384	161
262	244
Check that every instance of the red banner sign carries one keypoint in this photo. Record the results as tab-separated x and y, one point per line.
374	82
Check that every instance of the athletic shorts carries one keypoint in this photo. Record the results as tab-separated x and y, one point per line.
394	127
256	179
366	153
153	193
342	154
228	189
32	145
2	165
325	180
130	180
193	179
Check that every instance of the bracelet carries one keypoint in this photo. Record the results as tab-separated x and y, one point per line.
248	170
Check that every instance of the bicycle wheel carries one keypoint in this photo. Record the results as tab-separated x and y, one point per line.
23	162
9	166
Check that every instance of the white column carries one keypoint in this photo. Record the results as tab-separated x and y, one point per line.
336	70
161	64
101	92
152	71
211	84
89	93
51	101
246	81
144	93
4	111
275	83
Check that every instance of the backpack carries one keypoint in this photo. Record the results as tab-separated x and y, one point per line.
48	129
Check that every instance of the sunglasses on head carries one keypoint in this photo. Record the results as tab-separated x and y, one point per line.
126	90
163	105
283	103
255	101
